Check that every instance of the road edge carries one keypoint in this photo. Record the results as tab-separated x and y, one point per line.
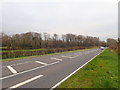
74	72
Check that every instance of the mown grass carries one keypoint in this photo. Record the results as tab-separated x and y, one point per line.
102	72
28	57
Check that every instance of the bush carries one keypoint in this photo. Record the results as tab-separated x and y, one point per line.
15	54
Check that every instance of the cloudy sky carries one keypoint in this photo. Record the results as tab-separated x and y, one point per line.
85	17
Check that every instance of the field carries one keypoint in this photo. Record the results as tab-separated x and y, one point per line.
102	72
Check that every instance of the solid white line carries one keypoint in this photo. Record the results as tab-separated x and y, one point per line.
73	72
25	82
56	59
27	71
41	62
12	69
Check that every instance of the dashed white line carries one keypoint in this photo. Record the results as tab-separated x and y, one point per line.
70	57
75	56
25	82
14	64
67	56
41	62
78	54
56	59
27	71
74	72
12	69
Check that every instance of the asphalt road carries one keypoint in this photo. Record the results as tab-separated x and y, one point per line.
44	72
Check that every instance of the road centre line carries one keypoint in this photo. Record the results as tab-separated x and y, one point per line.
67	56
87	52
70	57
12	69
76	55
81	52
41	62
56	58
27	71
73	72
15	64
25	82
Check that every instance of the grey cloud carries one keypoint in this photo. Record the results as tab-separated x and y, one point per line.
84	18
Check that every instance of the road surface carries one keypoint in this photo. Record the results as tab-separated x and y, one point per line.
46	71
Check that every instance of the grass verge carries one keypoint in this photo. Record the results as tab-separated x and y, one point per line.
101	72
22	50
28	57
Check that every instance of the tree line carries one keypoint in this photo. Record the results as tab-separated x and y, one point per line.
14	46
34	40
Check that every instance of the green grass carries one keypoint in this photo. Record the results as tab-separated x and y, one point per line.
102	72
22	50
28	57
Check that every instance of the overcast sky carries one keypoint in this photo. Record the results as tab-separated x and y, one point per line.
85	17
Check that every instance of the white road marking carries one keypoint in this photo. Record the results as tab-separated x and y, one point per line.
74	72
41	62
76	56
67	56
28	70
76	53
27	81
31	61
12	69
14	64
70	57
56	59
